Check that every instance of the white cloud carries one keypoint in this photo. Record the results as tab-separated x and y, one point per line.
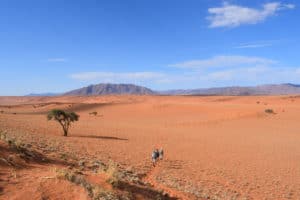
118	77
230	15
242	74
290	6
224	61
57	60
251	75
254	75
216	71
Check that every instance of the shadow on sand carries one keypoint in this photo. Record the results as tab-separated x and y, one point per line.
99	137
142	191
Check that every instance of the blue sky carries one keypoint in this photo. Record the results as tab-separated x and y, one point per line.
55	46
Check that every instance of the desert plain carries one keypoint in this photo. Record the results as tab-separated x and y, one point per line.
216	147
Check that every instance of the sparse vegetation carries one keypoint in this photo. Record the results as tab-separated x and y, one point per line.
125	183
94	191
269	111
20	148
63	118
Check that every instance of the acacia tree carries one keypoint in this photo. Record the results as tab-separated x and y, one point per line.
63	118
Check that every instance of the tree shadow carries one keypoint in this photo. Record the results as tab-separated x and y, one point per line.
143	191
100	137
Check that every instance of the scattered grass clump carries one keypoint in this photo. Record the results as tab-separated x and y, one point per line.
3	136
94	191
114	176
76	178
64	156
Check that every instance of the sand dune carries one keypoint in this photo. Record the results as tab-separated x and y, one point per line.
216	147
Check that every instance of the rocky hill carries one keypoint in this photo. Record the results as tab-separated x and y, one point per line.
107	88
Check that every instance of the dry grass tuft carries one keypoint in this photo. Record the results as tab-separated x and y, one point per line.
113	174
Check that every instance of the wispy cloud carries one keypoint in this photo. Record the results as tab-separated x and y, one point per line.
262	43
250	46
229	15
254	75
118	77
223	61
251	75
57	60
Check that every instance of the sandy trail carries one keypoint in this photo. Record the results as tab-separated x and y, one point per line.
151	179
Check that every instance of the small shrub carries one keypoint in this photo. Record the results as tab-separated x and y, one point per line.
94	113
269	111
2	111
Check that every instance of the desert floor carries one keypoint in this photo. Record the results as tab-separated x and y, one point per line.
216	147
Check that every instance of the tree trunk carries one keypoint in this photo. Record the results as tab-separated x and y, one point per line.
65	132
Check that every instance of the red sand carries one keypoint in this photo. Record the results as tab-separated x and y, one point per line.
216	147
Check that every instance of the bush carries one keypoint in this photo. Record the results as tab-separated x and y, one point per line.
93	113
269	111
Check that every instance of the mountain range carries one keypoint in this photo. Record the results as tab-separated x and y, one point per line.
119	89
270	89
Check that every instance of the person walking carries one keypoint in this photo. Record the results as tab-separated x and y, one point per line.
161	153
154	156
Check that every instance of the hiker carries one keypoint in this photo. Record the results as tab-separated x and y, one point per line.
155	155
161	153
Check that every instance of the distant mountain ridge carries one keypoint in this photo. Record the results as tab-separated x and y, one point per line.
48	94
108	88
269	89
119	89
